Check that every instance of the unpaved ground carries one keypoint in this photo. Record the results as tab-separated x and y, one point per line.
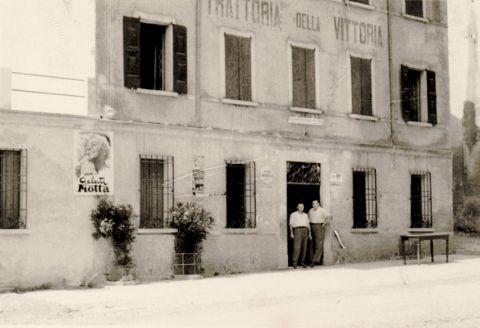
383	294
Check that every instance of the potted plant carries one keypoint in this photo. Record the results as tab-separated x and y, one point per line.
114	222
192	223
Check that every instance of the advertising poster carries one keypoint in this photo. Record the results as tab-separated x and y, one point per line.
93	163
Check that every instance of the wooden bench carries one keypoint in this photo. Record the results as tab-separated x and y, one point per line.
419	237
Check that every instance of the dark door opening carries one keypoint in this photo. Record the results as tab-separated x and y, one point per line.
303	186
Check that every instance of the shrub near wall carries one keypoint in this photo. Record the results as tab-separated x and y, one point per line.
468	220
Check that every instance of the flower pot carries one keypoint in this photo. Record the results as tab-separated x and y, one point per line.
187	264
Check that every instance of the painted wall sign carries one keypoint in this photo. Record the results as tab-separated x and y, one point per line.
353	31
198	175
93	163
266	175
264	12
307	22
336	179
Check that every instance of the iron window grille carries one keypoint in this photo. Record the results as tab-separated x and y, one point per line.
303	173
156	190
364	198
421	200
13	188
241	194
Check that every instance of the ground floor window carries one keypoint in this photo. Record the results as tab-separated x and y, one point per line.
12	189
241	202
364	198
421	200
156	190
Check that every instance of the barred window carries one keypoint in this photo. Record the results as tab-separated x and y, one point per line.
241	206
156	190
364	198
13	186
421	200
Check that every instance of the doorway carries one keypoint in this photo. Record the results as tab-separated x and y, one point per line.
303	186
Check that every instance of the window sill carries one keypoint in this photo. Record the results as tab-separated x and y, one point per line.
166	231
300	120
420	230
420	124
359	5
239	231
416	18
237	102
157	92
364	117
14	232
306	110
364	230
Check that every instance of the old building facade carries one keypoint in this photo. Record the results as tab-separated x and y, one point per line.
246	107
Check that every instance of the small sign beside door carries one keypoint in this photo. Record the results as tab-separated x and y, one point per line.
336	179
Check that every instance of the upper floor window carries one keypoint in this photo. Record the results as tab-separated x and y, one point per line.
156	190
12	189
238	67
364	198
303	77
420	200
241	202
418	95
155	56
414	8
361	75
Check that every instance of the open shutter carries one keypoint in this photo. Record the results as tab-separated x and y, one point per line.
405	93
367	87
298	77
245	69
131	52
232	88
356	77
180	84
432	97
310	78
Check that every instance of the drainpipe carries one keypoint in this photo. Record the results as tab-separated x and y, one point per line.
198	16
390	70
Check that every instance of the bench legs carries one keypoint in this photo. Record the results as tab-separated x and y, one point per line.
419	248
431	248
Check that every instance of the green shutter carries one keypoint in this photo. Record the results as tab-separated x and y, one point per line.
245	69
232	85
366	87
131	52
180	82
310	100
432	97
298	77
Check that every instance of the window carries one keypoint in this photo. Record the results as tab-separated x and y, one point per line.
156	190
303	77
147	53
241	207
364	198
361	75
421	200
414	8
12	189
238	67
413	82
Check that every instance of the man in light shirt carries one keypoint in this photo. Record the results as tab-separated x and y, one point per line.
318	217
299	232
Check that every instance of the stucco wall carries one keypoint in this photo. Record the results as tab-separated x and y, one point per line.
57	246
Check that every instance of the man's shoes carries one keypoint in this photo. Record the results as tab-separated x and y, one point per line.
294	266
312	265
304	266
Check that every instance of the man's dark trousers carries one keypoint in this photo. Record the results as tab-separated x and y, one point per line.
318	234
300	240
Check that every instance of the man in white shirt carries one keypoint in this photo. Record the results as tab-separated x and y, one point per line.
318	217
299	232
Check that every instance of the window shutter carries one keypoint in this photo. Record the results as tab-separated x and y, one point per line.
432	97
232	89
366	87
405	93
310	78
131	52
298	77
356	77
180	84
245	69
414	7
